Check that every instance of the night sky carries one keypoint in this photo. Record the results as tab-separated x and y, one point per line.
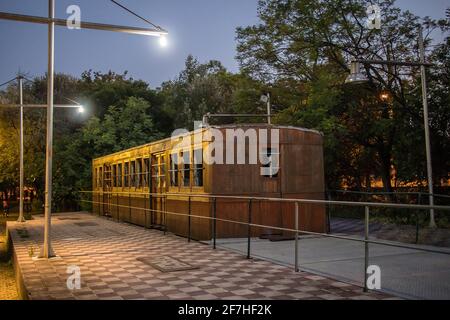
204	28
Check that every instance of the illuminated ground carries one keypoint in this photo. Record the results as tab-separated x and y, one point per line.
110	256
8	290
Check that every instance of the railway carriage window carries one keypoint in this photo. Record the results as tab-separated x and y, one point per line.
198	168
271	169
114	174
133	174
138	173
174	170
100	176
145	174
162	172
119	175
186	169
127	175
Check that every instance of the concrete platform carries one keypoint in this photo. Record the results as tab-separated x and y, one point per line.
408	273
111	257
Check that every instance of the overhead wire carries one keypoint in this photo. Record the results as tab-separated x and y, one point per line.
137	15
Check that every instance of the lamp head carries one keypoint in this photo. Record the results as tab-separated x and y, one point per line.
356	76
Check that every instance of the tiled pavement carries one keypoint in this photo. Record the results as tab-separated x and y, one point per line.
107	254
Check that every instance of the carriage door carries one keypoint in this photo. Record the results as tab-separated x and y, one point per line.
158	188
107	189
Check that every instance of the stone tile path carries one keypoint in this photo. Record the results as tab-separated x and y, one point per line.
110	256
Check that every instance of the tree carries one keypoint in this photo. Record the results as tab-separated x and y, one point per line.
298	40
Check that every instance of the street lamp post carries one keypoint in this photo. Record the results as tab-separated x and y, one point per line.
47	251
356	76
21	178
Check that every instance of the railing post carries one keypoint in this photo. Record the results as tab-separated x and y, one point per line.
249	228
366	246
129	206
296	237
164	214
117	207
146	211
214	222
417	218
189	219
151	210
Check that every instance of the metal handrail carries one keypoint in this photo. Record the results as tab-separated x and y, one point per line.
389	193
273	227
300	200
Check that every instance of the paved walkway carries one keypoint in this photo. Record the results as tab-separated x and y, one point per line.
113	261
408	273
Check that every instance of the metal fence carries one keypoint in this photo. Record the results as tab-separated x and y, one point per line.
297	230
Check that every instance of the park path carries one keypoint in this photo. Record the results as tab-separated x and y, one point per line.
121	261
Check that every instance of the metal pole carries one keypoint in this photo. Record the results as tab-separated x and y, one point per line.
189	220
366	247
269	108
214	222
249	228
296	237
427	127
417	218
21	217
47	250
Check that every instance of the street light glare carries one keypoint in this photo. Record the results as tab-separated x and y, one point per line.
163	41
81	109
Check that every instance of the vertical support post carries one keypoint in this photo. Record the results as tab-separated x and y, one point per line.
118	207
189	219
427	128
47	250
417	218
145	211
269	109
296	237
214	222
21	184
366	246
129	207
165	213
249	228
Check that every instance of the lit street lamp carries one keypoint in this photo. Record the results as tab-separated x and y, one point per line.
356	76
47	251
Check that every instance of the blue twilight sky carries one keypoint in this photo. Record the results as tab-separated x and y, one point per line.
204	28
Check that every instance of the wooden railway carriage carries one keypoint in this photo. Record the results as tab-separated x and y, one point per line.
158	184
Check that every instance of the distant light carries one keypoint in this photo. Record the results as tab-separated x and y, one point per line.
384	96
81	109
163	41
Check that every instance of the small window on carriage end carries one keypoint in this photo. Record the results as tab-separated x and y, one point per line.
270	158
198	168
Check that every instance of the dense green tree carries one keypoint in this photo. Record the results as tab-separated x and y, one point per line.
308	44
